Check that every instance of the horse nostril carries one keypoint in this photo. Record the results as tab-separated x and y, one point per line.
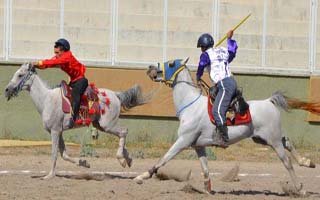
7	89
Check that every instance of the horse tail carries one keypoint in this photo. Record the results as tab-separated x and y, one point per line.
132	97
279	100
313	107
287	103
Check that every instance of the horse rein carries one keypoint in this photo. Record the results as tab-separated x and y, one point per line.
23	81
189	104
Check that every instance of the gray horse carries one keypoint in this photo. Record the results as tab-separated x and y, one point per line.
49	104
196	129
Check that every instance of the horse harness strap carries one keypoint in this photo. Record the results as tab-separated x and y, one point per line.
186	82
186	106
24	80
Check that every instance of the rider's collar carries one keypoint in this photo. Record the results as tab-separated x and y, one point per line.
170	70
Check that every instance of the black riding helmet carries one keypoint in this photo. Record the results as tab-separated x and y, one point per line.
62	43
205	40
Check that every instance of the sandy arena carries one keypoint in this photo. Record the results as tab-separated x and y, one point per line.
20	169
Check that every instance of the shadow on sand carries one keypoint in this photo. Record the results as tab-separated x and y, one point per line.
90	176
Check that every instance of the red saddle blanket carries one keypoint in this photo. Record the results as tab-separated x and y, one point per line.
232	118
89	106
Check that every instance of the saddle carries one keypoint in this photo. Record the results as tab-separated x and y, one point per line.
238	112
89	103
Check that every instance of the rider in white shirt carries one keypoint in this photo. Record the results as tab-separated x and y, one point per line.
216	60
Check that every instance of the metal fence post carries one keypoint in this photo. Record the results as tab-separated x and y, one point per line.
114	28
61	28
165	30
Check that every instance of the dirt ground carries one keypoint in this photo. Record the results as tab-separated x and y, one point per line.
258	180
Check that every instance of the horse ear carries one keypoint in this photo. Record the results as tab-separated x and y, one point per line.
185	60
171	63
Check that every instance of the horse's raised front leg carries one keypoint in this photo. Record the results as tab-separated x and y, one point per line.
201	152
184	141
122	153
55	143
66	157
302	161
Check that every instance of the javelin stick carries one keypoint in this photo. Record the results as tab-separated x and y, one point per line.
234	28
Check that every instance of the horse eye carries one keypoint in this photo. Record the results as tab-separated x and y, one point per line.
20	75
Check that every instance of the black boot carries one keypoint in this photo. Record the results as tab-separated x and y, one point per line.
71	123
223	130
220	137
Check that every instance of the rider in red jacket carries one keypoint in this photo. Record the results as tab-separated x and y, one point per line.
64	60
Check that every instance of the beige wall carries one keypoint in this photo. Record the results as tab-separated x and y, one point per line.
35	26
318	41
142	33
314	96
121	80
87	25
1	28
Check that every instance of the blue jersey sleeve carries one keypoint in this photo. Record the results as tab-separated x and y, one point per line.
204	61
232	49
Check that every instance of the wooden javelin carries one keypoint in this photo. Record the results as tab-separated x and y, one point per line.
234	28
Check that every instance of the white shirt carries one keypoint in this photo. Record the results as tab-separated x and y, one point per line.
219	68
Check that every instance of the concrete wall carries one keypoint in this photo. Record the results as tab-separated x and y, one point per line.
279	37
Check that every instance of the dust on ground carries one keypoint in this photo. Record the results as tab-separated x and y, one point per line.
37	159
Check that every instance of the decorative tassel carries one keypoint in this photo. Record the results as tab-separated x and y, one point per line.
91	111
107	101
103	94
79	121
87	121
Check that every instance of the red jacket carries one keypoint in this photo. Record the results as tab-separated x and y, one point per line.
66	62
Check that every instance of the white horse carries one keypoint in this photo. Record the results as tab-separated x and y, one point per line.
196	129
49	104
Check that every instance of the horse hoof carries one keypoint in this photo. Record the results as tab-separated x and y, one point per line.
129	162
207	186
84	163
122	162
312	165
138	180
47	177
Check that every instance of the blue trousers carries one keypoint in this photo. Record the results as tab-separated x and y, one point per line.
226	91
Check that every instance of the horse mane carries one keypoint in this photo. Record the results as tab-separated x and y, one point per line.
45	83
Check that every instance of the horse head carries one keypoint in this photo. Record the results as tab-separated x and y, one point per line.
20	80
166	72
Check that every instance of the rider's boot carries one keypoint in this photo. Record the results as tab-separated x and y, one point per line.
71	122
220	136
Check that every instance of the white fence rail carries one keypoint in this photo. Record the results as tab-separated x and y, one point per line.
281	37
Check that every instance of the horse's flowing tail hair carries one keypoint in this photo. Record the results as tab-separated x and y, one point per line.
132	97
287	103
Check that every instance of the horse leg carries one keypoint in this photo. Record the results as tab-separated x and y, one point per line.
182	142
201	152
122	153
287	163
55	143
302	161
66	157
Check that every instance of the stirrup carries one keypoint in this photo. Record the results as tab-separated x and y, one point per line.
218	141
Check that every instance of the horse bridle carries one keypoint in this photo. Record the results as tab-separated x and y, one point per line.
25	78
187	82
